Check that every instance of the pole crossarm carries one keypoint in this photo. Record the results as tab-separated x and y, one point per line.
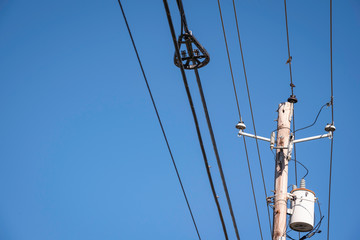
329	135
253	136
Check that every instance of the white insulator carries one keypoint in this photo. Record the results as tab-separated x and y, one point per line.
303	204
330	127
241	125
272	140
302	183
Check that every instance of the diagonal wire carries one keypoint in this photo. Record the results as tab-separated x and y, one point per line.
332	119
217	153
207	116
330	176
184	25
177	52
316	118
251	110
291	82
228	55
159	120
237	102
288	46
295	158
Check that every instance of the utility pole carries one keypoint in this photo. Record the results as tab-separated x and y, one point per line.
285	112
302	220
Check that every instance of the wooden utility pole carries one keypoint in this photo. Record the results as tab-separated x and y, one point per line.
281	171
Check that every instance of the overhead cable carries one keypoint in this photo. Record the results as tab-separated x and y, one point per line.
159	120
332	119
288	47
317	116
207	116
229	60
238	107
292	98
217	154
177	52
293	127
251	110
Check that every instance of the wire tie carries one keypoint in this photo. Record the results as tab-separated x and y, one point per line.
289	60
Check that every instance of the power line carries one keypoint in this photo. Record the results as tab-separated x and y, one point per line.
177	52
184	25
229	60
295	156
217	154
289	55
295	146
292	98
317	116
207	116
306	169
159	120
251	110
330	175
238	107
332	119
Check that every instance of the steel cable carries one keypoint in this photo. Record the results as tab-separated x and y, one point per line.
229	60
159	120
251	110
291	81
238	107
177	52
208	120
332	119
288	46
216	153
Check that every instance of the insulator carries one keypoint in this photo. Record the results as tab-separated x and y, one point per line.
272	140
330	128
302	183
292	99
241	125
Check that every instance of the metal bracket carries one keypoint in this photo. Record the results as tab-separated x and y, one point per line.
193	54
329	135
241	126
241	132
289	211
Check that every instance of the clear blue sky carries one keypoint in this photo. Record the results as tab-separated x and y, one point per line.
82	155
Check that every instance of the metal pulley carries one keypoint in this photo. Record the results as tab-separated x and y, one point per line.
193	54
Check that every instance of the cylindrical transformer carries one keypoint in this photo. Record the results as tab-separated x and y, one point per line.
303	204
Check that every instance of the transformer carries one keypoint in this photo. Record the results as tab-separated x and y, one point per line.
302	209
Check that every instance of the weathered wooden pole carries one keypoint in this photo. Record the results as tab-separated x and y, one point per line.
281	171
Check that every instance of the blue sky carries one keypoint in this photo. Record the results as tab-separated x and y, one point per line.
82	154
